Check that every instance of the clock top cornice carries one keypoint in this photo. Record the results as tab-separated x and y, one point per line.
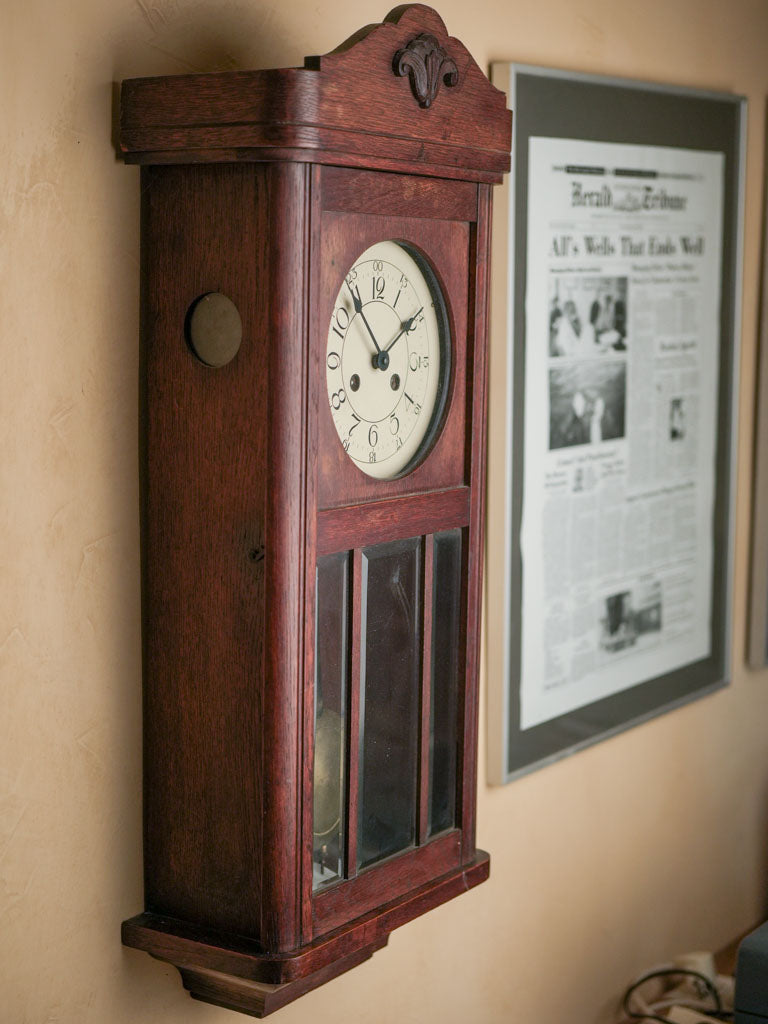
402	96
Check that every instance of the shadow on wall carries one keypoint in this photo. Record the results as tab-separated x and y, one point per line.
165	40
162	38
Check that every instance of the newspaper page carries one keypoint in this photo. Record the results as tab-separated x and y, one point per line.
621	362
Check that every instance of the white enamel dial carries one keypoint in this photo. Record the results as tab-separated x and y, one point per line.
387	360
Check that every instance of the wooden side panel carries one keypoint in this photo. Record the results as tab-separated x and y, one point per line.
307	695
287	540
204	494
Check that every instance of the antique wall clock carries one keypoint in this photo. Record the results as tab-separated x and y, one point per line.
315	246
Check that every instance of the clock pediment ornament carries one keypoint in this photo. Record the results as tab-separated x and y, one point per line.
314	303
427	64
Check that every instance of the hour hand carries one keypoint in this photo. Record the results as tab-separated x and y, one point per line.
357	303
355	293
404	328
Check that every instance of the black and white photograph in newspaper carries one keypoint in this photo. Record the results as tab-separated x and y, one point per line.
629	615
587	316
587	403
677	419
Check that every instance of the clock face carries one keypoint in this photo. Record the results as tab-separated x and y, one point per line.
387	360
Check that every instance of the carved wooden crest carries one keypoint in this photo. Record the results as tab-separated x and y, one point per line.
428	65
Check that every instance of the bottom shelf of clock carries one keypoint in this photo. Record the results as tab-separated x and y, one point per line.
232	972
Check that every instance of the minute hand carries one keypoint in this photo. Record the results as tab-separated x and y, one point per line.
403	329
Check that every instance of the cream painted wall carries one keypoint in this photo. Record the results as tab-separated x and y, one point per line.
649	844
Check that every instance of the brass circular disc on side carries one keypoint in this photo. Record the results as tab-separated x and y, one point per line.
214	329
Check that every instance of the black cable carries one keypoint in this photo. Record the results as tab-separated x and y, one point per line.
667	972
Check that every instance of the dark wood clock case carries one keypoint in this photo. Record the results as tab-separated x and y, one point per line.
266	186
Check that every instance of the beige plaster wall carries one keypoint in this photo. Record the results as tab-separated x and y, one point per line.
649	844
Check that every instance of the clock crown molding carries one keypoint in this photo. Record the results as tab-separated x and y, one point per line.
351	107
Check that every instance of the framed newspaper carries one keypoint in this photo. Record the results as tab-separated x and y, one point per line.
613	503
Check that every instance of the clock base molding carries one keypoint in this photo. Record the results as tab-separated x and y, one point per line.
256	998
230	971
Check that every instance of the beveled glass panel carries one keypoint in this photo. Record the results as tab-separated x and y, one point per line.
331	660
446	633
390	658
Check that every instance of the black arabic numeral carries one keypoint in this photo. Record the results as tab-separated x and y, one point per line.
342	321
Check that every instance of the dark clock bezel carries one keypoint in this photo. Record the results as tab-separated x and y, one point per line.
445	344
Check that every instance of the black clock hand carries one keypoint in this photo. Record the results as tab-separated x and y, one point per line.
403	329
356	302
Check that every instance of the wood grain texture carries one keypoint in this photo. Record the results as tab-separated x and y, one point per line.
346	191
387	881
188	947
307	626
203	537
285	470
408	163
348	103
413	515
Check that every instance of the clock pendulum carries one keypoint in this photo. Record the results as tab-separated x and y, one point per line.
315	268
